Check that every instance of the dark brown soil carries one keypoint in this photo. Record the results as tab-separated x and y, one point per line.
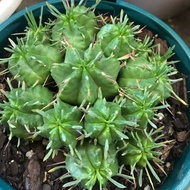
24	169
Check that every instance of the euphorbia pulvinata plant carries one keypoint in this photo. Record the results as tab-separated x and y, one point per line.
93	89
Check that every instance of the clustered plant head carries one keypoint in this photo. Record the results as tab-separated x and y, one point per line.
92	88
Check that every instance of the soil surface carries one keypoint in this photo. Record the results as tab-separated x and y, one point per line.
24	169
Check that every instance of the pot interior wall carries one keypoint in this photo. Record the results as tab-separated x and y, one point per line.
17	22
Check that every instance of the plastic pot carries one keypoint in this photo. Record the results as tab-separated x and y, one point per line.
4	185
180	176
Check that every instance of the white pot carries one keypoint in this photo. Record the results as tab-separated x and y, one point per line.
7	8
161	8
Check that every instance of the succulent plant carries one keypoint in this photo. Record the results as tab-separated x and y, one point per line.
33	55
82	74
75	28
104	122
19	112
61	126
91	164
32	63
139	150
93	89
152	74
117	38
140	106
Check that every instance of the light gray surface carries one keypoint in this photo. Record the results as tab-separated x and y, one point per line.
161	8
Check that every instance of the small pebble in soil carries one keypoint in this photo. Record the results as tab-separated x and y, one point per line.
29	154
147	187
168	164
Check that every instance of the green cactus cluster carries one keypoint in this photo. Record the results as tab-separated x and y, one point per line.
93	90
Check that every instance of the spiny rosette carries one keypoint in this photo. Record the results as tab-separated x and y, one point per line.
140	150
61	126
153	73
31	63
19	115
140	106
82	73
76	28
91	164
118	37
104	122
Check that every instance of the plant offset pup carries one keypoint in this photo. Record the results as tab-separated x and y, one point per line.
90	86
